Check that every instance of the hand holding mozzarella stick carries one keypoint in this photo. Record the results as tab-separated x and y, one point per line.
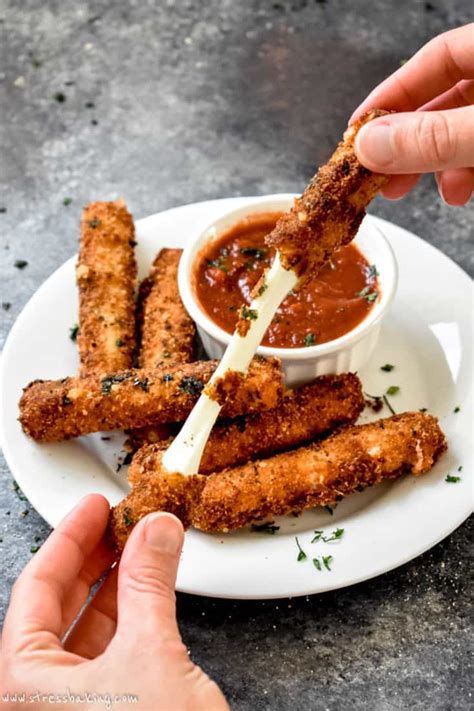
433	129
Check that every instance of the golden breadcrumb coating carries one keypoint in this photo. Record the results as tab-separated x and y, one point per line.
54	410
304	414
316	475
106	279
330	210
166	331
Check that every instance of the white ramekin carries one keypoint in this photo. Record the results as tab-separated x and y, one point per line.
347	353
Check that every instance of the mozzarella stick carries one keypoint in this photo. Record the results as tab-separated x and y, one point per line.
330	210
165	331
106	275
54	410
304	414
316	475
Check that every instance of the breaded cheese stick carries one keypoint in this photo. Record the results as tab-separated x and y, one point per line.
166	331
106	279
316	475
330	210
54	410
304	414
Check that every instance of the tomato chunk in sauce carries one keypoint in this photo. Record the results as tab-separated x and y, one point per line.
324	308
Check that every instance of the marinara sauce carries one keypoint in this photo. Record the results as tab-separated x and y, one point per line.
323	309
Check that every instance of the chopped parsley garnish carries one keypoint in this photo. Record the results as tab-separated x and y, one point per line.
460	468
6	305
261	289
267	527
327	560
301	554
111	380
167	378
317	563
387	367
456	409
60	97
387	402
309	339
20	263
166	354
67	201
66	400
372	272
218	263
248	314
143	384
126	517
335	535
95	222
19	492
119	343
329	510
367	294
393	390
73	331
423	409
253	252
127	459
34	549
452	479
191	385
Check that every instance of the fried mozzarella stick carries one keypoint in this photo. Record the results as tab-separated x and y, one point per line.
106	274
304	414
330	210
54	410
165	331
317	475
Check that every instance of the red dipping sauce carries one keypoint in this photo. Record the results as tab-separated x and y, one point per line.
324	308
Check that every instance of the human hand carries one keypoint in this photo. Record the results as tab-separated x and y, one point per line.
126	642
434	90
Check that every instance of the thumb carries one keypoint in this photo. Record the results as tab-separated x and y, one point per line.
418	141
146	580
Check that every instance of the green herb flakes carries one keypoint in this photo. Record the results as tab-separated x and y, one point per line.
388	367
309	340
301	554
248	314
191	385
128	521
317	563
267	527
67	201
73	332
392	390
327	560
457	409
452	479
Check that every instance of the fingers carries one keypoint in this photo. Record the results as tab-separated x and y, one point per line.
399	186
460	95
418	142
438	66
97	624
147	577
35	616
456	186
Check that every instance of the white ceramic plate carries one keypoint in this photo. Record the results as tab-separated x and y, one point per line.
427	336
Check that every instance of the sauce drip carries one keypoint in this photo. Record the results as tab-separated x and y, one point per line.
324	308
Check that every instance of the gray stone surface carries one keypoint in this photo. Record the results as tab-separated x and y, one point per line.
196	100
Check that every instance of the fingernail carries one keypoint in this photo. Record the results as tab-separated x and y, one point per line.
374	145
164	533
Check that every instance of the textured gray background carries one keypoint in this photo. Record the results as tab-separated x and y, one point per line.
197	100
